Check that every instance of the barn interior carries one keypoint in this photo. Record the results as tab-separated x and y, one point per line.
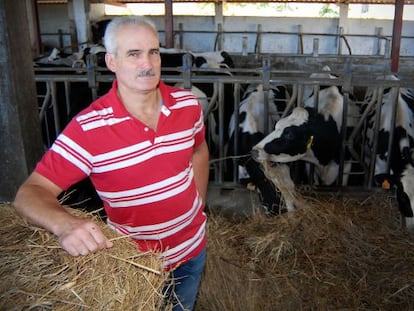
345	246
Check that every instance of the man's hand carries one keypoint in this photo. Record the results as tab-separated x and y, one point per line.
82	237
37	201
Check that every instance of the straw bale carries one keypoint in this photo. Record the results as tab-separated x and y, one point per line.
36	274
342	252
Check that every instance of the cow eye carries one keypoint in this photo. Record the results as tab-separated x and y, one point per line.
288	134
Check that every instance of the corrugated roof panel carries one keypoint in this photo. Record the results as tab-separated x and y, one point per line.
161	1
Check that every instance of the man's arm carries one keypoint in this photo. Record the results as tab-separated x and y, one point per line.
36	200
201	168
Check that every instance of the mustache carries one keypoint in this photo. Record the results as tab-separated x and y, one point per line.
146	73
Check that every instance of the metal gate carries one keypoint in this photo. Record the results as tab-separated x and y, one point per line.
56	93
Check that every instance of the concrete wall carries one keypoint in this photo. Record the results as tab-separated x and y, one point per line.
280	35
52	18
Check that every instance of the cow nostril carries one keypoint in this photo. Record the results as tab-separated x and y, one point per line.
255	154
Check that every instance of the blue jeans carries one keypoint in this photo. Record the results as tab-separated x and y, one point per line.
182	288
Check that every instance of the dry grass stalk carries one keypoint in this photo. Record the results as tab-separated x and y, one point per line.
38	275
343	252
279	174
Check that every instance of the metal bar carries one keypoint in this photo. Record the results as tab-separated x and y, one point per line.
220	87
55	106
236	130
380	92
267	65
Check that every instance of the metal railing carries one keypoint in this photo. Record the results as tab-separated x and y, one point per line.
55	106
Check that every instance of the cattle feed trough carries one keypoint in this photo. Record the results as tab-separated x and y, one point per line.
95	80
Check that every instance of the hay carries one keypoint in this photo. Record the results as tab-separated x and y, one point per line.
36	274
345	251
279	175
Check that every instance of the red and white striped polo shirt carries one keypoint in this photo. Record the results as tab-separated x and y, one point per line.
144	177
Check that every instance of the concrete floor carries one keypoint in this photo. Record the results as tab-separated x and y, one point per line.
236	203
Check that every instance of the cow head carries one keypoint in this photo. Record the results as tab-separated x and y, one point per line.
290	141
303	135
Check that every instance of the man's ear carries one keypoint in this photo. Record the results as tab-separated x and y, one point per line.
109	60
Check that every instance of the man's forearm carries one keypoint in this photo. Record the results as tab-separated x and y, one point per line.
40	208
37	202
201	169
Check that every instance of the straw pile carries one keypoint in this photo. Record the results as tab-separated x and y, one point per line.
36	274
279	175
343	252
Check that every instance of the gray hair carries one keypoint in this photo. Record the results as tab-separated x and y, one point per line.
110	37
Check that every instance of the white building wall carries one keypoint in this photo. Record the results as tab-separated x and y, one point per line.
280	35
52	18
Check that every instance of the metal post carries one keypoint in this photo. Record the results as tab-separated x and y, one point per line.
218	44
346	88
258	43
187	71
179	36
379	36
267	66
315	52
91	67
220	86
339	40
245	42
236	130
300	40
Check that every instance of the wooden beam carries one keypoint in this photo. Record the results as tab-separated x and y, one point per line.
20	134
169	24
396	35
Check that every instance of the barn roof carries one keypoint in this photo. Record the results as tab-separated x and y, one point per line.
161	1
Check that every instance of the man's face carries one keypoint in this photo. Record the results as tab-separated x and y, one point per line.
137	63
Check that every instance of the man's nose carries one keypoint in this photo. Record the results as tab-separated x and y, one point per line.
146	61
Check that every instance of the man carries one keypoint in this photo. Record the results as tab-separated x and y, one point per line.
142	145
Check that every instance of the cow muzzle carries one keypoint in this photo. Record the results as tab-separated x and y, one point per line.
259	154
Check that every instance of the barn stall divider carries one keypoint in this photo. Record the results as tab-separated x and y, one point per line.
62	92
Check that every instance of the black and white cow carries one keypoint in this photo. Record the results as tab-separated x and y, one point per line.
400	158
175	58
218	65
171	58
216	59
312	133
309	134
58	58
251	123
250	130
